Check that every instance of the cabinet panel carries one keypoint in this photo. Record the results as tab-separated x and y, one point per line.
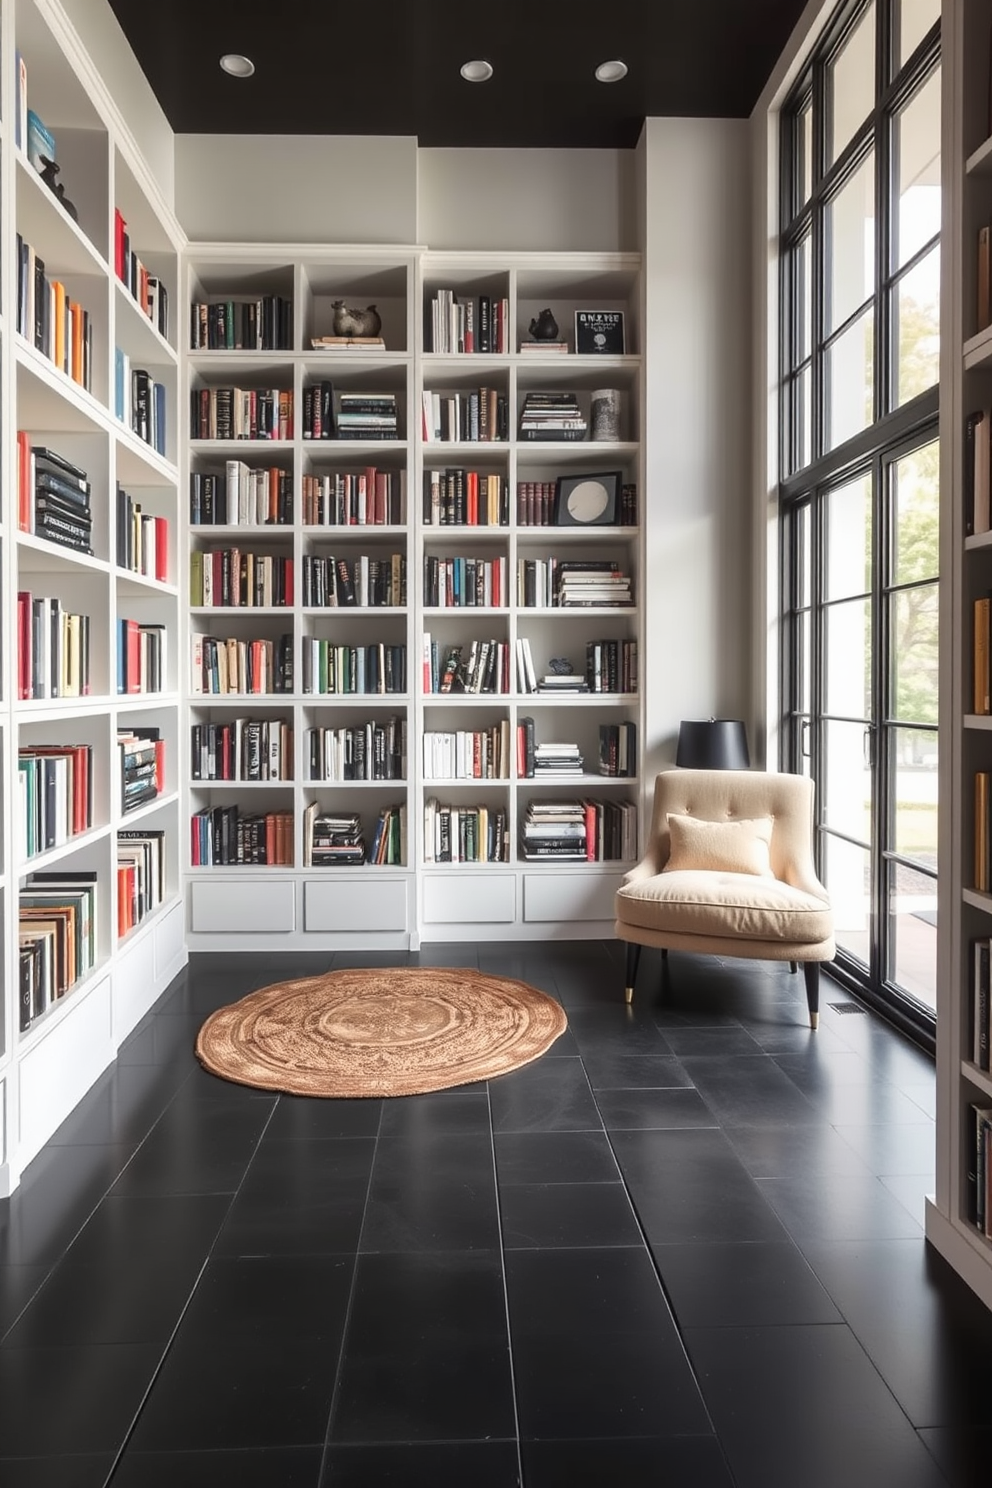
355	904
466	900
570	896
233	905
61	1067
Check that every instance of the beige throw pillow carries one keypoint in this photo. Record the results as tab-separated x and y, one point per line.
725	847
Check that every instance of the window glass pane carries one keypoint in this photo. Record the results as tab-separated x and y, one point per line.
804	588
916	153
915	508
802	268
847	538
805	151
913	933
803	660
849	225
802	412
913	640
848	374
914	792
846	878
912	20
917	316
846	780
851	84
847	637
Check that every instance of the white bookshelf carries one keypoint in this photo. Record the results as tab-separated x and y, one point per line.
46	1066
964	913
398	906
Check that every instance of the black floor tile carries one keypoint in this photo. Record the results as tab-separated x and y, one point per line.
198	1147
642	1110
299	1198
482	1464
73	1400
793	1151
274	1467
804	1405
269	1301
738	1286
838	1206
463	1111
962	1454
555	1157
658	1462
125	1225
622	1071
551	1095
426	1354
594	1342
137	1300
56	1196
432	1193
750	1092
301	1117
890	1150
56	1472
712	1043
18	1284
566	1214
690	1186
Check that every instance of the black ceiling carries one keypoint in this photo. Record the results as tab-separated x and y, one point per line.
391	66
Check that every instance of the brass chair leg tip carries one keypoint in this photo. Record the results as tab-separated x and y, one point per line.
628	993
814	1021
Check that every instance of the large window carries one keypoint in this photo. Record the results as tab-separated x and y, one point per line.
860	251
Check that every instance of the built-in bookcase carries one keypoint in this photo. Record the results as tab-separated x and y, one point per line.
956	1220
377	500
63	555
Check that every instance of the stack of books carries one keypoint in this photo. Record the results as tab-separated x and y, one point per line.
142	759
53	497
331	840
570	683
592	582
367	416
56	937
557	759
554	829
552	416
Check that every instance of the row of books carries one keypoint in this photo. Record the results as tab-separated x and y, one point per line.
54	323
366	498
468	754
224	665
242	749
549	583
482	666
55	796
579	831
232	578
337	840
562	680
618	749
371	750
142	539
263	324
478	417
983	831
537	503
331	668
57	938
550	757
224	836
359	582
53	649
456	497
147	289
457	324
53	496
979	1169
141	656
241	413
140	401
241	496
456	583
141	760
140	875
981	1002
464	834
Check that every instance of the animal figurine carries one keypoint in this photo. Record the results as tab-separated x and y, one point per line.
346	322
544	327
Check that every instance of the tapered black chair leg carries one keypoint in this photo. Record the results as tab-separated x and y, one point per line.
633	956
811	972
793	967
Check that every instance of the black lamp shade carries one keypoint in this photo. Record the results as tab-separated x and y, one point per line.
713	744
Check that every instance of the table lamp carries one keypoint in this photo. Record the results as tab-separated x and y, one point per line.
713	744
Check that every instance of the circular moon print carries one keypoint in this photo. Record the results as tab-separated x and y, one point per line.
587	501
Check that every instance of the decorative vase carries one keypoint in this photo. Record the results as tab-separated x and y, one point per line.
604	421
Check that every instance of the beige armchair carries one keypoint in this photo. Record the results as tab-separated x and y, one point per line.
728	871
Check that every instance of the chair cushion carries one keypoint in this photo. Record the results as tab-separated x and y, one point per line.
739	846
723	906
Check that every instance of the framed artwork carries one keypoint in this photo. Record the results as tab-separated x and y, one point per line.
589	499
599	333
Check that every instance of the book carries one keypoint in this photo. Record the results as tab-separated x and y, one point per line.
599	332
984	295
40	141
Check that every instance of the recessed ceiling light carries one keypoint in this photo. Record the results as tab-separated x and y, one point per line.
477	71
611	72
236	65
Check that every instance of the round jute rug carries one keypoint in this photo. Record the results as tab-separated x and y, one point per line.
389	1031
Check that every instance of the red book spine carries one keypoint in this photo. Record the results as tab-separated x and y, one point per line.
162	549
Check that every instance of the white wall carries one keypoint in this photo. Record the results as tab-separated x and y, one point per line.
696	238
545	200
297	188
100	33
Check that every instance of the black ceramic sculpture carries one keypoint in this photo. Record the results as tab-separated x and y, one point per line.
48	173
544	327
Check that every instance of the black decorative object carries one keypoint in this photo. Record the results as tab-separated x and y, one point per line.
349	322
713	744
560	666
49	171
591	499
544	327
